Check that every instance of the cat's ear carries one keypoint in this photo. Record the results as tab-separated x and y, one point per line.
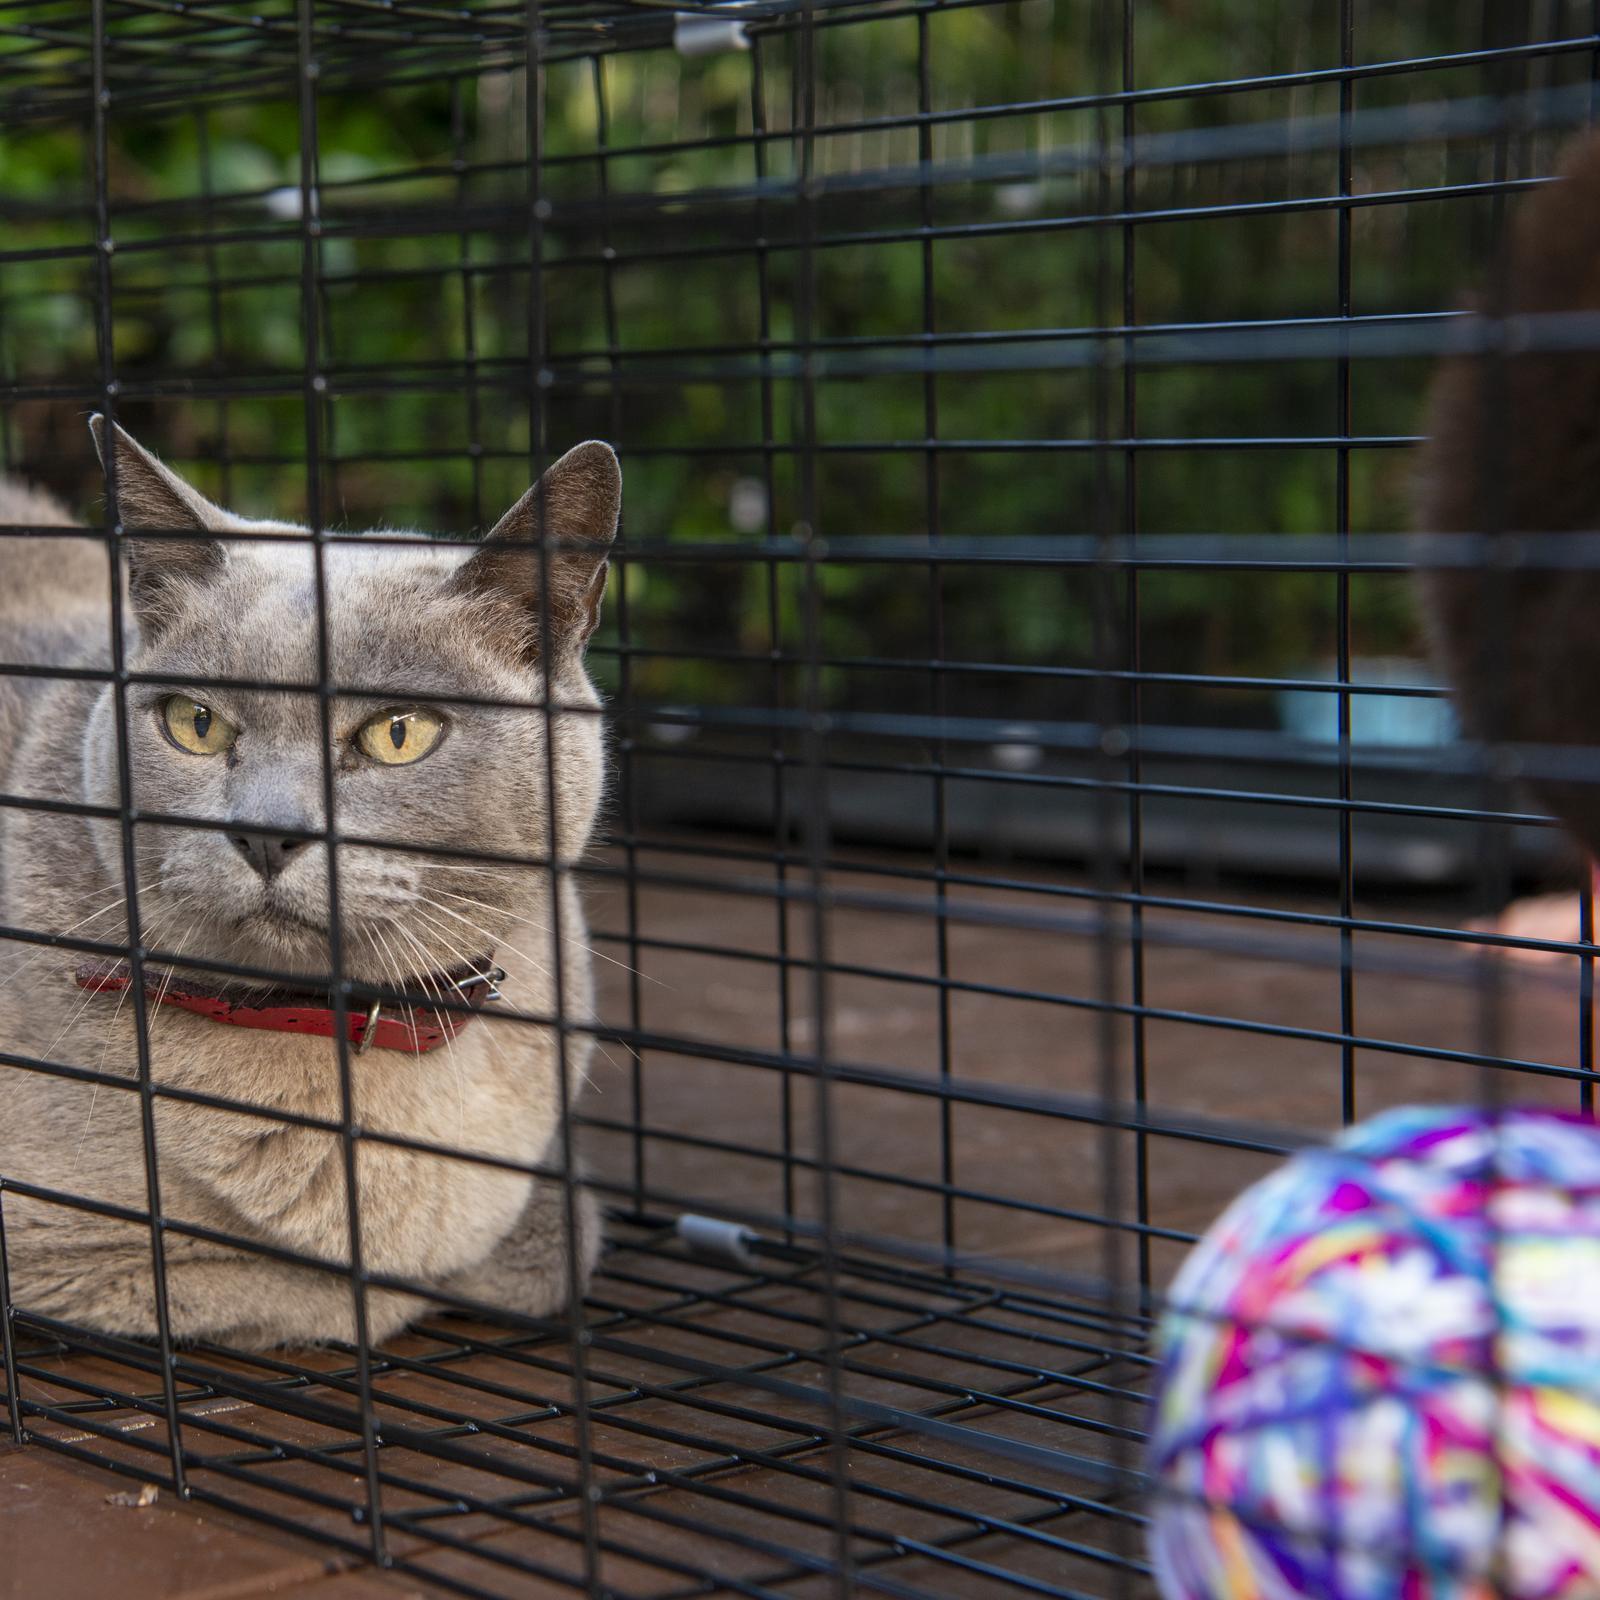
574	507
153	498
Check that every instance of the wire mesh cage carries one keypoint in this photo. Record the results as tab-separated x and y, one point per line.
1029	813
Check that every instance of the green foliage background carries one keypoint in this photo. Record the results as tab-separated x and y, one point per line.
425	302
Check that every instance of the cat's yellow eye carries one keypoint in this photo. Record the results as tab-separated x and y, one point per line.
195	727
397	738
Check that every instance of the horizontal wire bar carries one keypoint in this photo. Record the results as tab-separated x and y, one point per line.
768	20
505	218
911	120
1377	127
882	1176
1511	550
730	1334
668	1477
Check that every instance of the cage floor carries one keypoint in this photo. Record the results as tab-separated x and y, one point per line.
984	1432
985	1423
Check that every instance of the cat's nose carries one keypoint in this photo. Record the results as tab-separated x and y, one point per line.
268	853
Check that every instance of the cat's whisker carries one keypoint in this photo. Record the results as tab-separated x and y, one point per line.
484	934
485	869
391	968
517	886
443	935
466	899
390	962
72	1020
179	949
583	1073
544	928
151	1015
100	1065
450	1050
61	933
592	1082
382	954
94	1091
77	1155
540	927
626	1047
600	955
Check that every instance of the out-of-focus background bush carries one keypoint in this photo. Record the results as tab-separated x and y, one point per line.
656	316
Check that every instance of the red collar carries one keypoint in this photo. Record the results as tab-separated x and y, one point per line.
414	1030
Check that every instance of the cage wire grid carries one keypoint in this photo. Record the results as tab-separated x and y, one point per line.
876	1380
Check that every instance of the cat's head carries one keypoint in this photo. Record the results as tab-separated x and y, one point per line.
409	635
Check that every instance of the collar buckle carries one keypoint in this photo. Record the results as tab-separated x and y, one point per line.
369	1029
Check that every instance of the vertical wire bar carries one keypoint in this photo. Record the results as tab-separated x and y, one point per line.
329	481
816	822
314	385
1500	27
202	128
775	682
1132	654
1586	1098
469	317
1594	61
1586	990
125	797
8	455
8	1344
7	375
1112	742
1341	492
937	682
1492	837
627	776
578	1335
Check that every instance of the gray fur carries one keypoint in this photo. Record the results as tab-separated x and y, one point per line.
416	625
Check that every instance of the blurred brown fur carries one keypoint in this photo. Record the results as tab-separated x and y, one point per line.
1514	446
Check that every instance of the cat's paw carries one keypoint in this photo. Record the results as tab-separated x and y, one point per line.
527	1272
233	1298
326	1318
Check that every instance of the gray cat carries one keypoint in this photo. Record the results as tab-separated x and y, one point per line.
419	626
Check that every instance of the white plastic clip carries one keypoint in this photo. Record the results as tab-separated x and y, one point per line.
728	1244
696	33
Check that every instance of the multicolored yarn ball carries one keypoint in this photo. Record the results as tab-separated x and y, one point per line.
1381	1371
